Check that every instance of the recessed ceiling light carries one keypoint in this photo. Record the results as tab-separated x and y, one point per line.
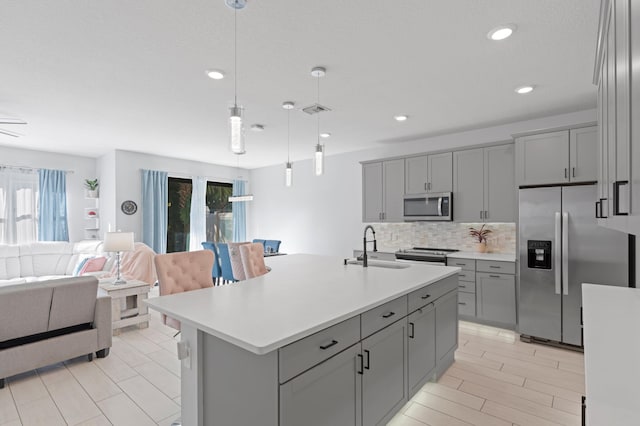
501	32
215	74
522	90
401	117
257	127
325	135
288	105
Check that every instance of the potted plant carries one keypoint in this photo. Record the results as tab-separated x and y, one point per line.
480	237
92	187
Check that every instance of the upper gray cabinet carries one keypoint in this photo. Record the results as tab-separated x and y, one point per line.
484	185
382	191
429	173
557	157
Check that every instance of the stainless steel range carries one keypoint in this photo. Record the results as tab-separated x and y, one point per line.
425	254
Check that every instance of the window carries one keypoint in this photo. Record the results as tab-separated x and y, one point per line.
18	206
219	220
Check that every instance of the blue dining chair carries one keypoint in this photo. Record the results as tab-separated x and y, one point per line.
225	262
216	273
255	240
272	246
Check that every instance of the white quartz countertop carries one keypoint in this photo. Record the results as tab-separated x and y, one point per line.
301	295
498	257
611	318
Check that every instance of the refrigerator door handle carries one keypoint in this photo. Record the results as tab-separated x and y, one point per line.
558	253
565	253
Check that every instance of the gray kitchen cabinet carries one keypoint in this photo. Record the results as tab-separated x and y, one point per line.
446	325
468	185
421	350
557	157
328	394
383	191
384	388
429	173
496	297
483	184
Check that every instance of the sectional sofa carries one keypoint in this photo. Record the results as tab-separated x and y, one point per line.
41	261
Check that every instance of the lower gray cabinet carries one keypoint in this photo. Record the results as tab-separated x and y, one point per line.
421	347
446	324
328	394
496	297
384	388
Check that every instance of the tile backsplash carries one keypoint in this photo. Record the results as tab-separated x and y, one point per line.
393	236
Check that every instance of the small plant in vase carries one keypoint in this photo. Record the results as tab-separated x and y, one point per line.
480	237
92	187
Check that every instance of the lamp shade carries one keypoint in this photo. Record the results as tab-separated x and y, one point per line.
118	241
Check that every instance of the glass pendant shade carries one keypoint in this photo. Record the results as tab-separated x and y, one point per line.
319	160
236	130
288	174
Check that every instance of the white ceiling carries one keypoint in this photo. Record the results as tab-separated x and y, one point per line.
93	76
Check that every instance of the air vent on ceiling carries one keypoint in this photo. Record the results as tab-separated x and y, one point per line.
315	109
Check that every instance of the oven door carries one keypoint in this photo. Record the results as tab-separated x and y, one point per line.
428	207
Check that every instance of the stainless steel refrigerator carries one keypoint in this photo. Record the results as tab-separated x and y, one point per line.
561	246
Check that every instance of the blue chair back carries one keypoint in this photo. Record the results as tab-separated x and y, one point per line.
217	270
272	246
225	262
255	240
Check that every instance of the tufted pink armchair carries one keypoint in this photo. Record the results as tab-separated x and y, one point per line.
183	271
253	260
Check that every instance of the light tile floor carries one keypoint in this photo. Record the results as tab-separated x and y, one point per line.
495	380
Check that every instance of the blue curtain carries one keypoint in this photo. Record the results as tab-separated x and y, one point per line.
198	215
52	222
155	190
239	213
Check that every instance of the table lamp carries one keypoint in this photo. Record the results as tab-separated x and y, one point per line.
118	242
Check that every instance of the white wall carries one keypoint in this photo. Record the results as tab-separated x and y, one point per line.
106	170
82	168
323	215
128	166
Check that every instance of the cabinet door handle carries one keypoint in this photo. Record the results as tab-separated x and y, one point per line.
388	314
368	366
429	186
328	345
616	197
495	276
480	214
462	303
565	173
425	186
494	267
573	172
602	216
598	208
486	214
411	330
361	363
460	264
425	297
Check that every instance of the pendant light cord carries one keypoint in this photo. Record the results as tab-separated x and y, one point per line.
235	54
288	135
318	111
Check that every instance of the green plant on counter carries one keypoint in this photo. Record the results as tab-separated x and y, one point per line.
480	234
91	184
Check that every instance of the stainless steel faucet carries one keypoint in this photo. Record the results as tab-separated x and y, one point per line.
364	243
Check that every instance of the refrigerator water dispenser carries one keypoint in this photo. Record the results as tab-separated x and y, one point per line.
539	254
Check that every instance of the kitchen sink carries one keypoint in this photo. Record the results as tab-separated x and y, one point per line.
379	264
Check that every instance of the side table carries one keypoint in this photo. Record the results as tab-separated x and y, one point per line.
127	306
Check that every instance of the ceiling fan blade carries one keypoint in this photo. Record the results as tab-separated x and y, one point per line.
10	133
11	121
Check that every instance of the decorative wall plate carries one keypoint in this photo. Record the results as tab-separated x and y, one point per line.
129	207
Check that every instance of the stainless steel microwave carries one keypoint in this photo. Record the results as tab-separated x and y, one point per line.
432	206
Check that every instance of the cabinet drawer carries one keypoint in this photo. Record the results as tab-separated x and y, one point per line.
467	304
299	356
429	293
465	264
467	275
467	287
499	267
382	316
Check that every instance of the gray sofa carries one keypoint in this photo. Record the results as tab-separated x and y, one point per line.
46	322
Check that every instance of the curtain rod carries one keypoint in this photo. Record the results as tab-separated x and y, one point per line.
28	169
184	175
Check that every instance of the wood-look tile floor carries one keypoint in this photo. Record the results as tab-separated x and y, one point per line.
495	380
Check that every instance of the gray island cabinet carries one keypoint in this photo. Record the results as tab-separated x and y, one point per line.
314	342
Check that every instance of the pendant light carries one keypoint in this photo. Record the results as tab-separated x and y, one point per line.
236	125
288	171
319	72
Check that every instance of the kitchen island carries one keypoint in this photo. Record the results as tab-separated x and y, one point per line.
314	341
